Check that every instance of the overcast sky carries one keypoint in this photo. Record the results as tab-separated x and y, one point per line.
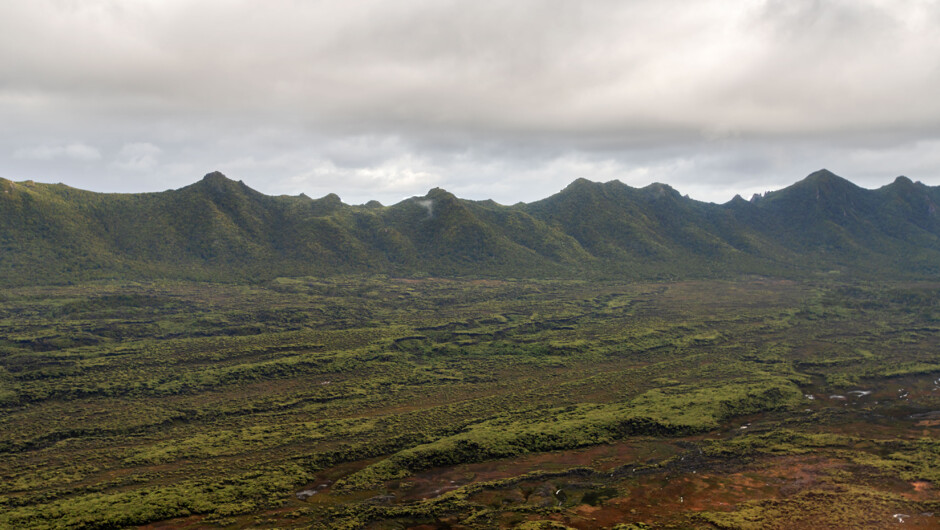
508	100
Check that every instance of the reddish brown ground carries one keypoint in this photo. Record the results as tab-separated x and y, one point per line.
431	483
667	497
661	498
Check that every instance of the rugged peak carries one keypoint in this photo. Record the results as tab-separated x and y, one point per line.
218	182
739	203
218	187
439	194
658	190
215	176
824	184
326	205
579	182
904	181
902	185
823	175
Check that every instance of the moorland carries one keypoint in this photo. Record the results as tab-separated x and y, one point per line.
240	360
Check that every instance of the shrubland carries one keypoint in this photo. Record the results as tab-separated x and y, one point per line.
474	402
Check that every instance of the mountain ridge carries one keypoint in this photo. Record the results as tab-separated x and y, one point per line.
219	229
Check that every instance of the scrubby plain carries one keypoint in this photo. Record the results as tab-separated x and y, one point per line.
383	402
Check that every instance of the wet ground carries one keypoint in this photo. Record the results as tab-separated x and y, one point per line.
905	408
666	481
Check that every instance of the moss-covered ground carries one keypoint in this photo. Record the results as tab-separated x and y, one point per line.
376	402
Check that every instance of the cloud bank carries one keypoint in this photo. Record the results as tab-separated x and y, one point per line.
503	100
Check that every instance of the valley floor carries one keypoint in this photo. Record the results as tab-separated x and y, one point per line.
374	402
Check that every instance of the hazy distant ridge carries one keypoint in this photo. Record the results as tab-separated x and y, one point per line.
221	229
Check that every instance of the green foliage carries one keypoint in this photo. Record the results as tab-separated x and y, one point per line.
220	230
126	403
845	507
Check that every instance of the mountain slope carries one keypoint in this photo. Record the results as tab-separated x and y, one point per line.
221	229
825	218
651	230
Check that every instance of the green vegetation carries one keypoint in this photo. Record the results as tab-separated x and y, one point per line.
369	400
220	230
606	357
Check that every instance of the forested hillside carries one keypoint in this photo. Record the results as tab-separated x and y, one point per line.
218	229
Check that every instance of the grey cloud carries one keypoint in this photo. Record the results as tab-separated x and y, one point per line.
510	66
504	100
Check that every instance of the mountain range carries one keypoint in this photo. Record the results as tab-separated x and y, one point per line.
220	229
